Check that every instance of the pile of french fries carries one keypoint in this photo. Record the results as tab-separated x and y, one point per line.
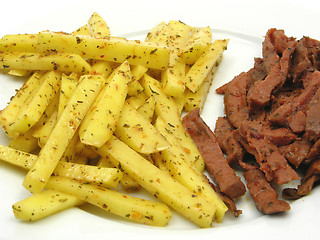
99	117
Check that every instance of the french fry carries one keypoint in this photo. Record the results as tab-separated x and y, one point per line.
102	118
179	166
20	42
198	99
196	45
44	204
138	132
159	184
105	177
148	54
65	128
167	109
201	68
147	109
32	112
63	62
102	67
17	103
159	34
98	26
131	208
20	72
134	86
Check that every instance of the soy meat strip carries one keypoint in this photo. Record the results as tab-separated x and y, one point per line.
224	133
263	194
216	164
307	183
271	161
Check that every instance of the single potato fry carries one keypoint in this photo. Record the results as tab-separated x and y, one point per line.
19	42
65	128
151	55
101	120
98	26
131	208
44	204
63	62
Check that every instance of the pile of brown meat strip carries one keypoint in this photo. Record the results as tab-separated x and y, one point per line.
271	130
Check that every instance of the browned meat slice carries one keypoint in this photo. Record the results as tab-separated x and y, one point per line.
216	164
269	53
307	183
260	93
231	147
314	150
297	121
263	194
235	100
313	119
222	89
271	161
228	201
280	115
279	136
257	73
297	151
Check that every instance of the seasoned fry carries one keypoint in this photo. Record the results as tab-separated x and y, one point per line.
44	204
63	62
20	42
102	118
98	26
128	207
65	128
150	55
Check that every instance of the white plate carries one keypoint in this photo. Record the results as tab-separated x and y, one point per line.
245	23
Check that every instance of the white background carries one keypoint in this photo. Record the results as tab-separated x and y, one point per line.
252	18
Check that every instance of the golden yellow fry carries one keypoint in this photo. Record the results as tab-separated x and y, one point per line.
102	118
17	103
24	142
63	62
65	128
159	184
44	204
151	55
19	42
98	26
105	177
131	208
40	99
159	34
138	132
201	68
